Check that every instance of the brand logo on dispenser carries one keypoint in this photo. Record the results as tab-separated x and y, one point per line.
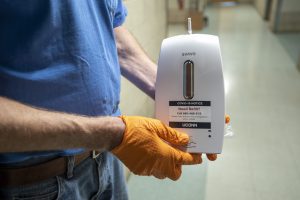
196	125
188	54
189	125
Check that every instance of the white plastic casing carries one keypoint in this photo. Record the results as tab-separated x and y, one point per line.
207	107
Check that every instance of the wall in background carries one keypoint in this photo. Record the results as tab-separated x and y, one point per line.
290	15
291	6
285	15
260	6
146	20
246	1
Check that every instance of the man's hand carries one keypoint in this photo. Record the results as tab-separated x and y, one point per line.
145	152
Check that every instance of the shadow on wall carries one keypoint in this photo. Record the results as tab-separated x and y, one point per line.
146	20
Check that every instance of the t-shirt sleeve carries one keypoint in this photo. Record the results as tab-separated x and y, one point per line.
120	14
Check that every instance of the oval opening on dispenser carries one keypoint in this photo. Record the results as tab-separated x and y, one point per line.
188	79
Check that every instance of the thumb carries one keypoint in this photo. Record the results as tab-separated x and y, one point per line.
173	136
184	158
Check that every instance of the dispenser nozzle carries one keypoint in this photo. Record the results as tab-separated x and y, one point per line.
190	25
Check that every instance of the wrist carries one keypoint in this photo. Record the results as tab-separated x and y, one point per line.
117	133
105	133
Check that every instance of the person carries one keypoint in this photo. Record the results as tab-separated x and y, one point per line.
61	130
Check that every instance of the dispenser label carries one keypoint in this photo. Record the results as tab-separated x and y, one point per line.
190	114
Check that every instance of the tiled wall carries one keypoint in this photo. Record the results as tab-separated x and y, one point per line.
290	21
290	16
285	15
298	63
146	20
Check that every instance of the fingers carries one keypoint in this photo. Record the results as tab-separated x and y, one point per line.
173	136
159	176
181	158
184	158
176	174
211	157
227	119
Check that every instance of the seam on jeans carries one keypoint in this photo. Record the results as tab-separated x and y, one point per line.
59	187
99	159
35	195
99	162
41	197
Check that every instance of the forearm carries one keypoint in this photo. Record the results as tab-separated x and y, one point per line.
24	128
136	66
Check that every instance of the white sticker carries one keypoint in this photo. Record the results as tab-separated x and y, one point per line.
190	114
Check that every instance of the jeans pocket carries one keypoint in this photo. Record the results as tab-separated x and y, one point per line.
48	190
103	174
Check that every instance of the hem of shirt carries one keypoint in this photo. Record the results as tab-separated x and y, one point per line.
121	20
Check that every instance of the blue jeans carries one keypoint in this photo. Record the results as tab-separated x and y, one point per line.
97	179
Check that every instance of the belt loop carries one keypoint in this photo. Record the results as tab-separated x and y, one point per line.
95	154
71	165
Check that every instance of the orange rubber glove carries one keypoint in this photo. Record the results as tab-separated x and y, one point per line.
213	157
227	119
144	151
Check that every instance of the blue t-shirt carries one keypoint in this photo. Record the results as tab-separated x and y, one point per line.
62	56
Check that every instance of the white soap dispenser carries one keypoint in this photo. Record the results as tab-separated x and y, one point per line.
189	93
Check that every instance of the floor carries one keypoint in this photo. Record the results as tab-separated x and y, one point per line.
260	162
